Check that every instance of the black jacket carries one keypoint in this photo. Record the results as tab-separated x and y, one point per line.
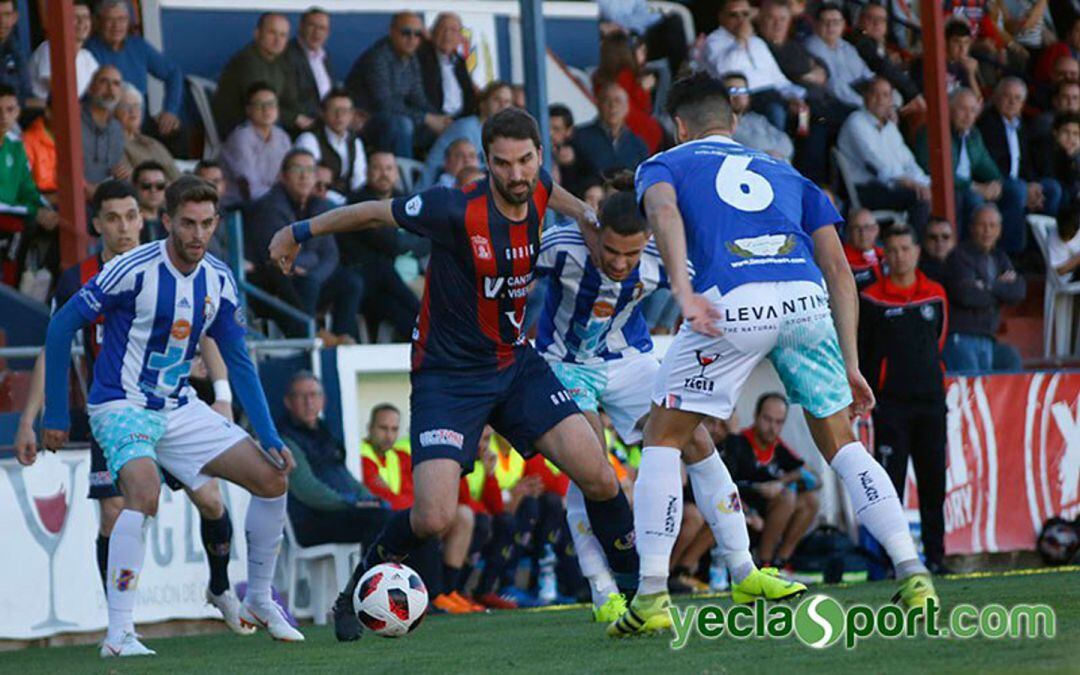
432	77
976	291
992	127
307	91
901	335
880	63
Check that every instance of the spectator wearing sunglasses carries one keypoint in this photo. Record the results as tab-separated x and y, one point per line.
150	183
138	147
938	243
386	81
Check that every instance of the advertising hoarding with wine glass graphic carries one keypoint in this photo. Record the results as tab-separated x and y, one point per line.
49	580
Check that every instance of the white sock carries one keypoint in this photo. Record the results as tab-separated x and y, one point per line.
127	548
264	525
718	500
877	505
658	510
590	553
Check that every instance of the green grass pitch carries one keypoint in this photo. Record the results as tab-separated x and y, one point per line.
564	641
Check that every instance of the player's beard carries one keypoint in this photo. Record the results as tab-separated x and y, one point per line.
186	254
505	191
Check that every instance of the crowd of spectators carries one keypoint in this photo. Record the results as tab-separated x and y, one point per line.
810	83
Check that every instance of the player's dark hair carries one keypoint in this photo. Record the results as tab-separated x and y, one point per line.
701	102
188	188
619	211
256	88
899	230
112	189
562	112
765	397
510	123
381	408
292	154
142	167
957	28
6	89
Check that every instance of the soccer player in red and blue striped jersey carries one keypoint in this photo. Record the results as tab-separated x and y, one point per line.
471	363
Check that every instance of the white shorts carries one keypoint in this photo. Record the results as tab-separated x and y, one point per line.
622	387
787	322
182	441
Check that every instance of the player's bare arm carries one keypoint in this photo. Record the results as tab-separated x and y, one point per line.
284	247
662	211
844	303
25	438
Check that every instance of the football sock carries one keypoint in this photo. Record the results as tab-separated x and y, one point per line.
497	552
717	498
877	506
264	526
613	524
590	554
217	540
127	548
394	544
658	512
451	577
103	560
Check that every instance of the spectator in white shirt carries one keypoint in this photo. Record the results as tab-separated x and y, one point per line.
334	143
733	47
447	82
1063	247
85	63
846	68
753	130
307	54
883	168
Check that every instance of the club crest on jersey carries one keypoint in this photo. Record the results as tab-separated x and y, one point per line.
927	312
413	206
181	329
481	247
208	308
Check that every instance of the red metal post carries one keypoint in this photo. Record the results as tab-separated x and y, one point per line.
937	125
67	128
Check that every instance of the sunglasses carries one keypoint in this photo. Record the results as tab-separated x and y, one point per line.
411	32
153	186
300	170
738	91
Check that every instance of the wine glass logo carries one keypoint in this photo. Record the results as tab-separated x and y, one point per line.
51	511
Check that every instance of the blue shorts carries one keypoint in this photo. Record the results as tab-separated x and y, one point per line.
102	485
450	408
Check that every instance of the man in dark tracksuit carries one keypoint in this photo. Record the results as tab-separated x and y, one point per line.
902	327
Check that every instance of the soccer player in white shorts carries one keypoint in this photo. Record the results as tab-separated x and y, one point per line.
594	336
769	274
157	301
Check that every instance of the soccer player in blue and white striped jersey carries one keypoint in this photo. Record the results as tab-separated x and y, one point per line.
157	301
595	338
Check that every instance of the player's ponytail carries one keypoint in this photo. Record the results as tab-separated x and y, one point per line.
619	211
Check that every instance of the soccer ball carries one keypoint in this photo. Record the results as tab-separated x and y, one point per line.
390	600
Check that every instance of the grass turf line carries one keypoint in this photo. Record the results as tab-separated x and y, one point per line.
566	642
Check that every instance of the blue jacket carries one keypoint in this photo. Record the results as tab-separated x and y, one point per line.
597	151
15	67
135	60
276	210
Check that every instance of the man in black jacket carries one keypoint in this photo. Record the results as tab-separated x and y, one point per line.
326	502
371	253
447	82
307	54
901	335
869	40
979	278
1006	138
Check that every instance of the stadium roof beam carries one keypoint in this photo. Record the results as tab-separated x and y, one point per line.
67	128
938	132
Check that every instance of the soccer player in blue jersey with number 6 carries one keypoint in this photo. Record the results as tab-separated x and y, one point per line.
770	281
471	363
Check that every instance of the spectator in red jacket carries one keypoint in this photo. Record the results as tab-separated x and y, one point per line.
619	63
